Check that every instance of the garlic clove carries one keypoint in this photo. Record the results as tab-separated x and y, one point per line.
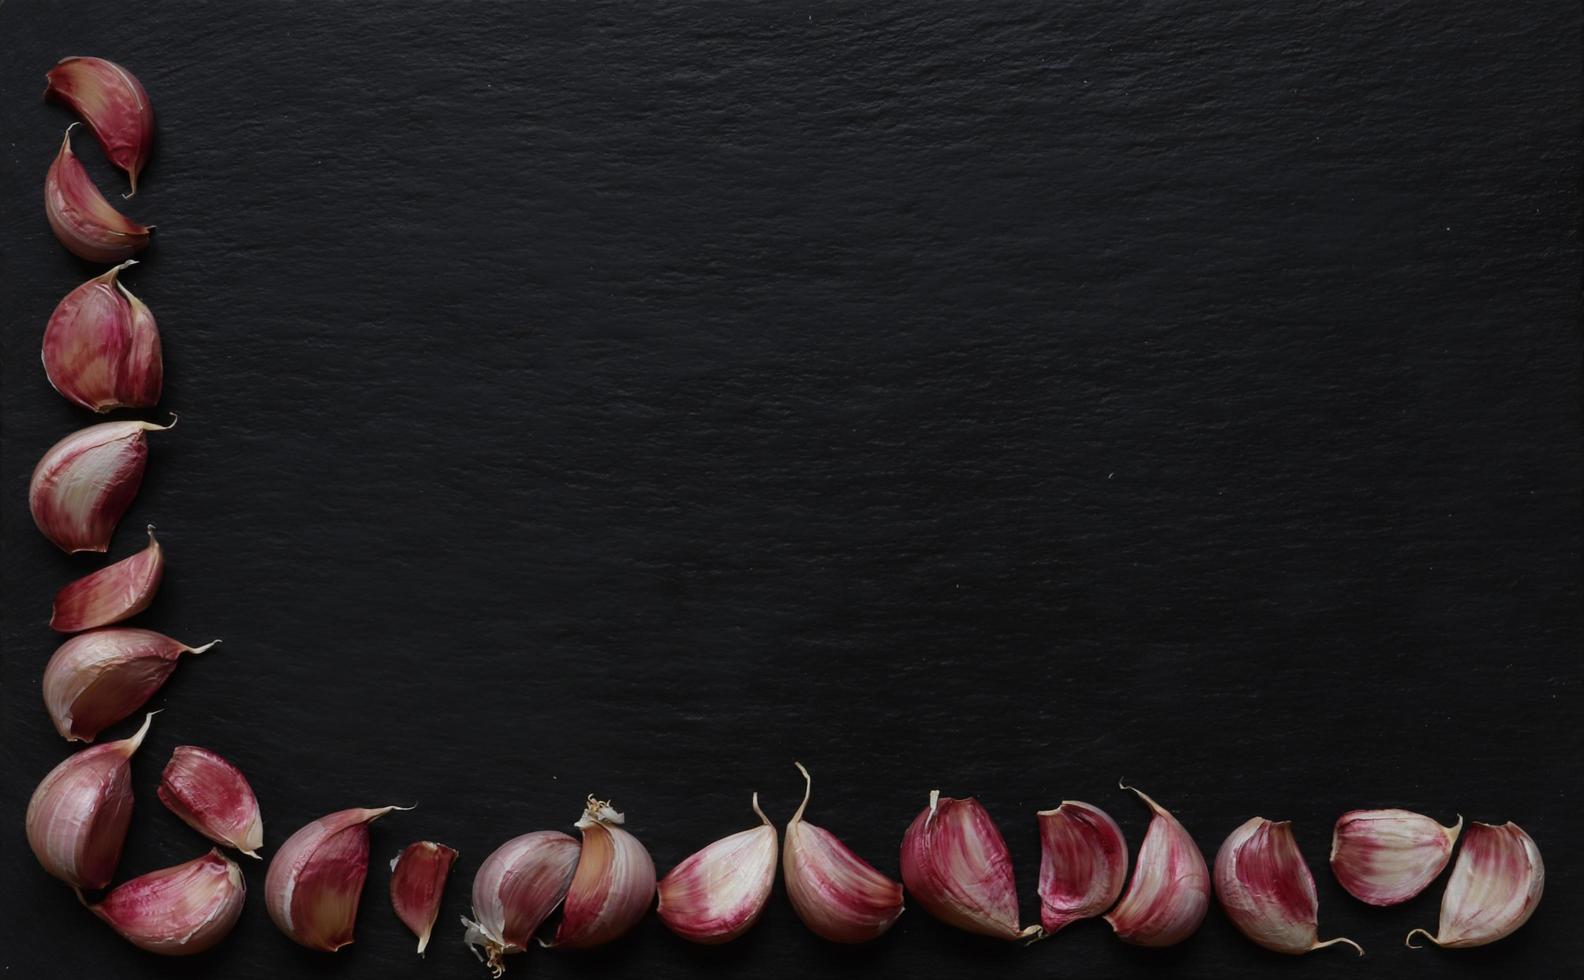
211	796
113	104
78	817
613	885
97	678
716	894
316	878
1495	887
85	482
1169	893
102	346
516	888
1386	857
177	911
837	894
81	218
111	594
1266	888
1083	864
955	862
418	877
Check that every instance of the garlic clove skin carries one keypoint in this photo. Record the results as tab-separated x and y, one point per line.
113	104
613	885
515	889
955	862
316	878
418	877
1266	888
1083	864
1386	857
211	796
97	678
78	817
837	894
1495	887
81	218
718	893
102	347
85	482
113	593
1169	894
177	911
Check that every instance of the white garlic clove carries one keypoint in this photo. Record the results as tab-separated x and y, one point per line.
211	796
1386	857
837	894
418	877
1169	894
515	889
613	885
81	218
113	593
102	346
316	878
78	817
955	862
1495	887
716	894
113	104
85	482
177	911
1083	864
97	678
1266	888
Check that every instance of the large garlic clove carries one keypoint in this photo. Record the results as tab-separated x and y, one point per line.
955	862
78	817
418	877
1386	857
716	894
81	218
113	593
837	894
1083	864
85	482
1495	887
112	101
97	678
177	911
211	796
1169	893
613	885
515	889
1266	888
102	346
316	878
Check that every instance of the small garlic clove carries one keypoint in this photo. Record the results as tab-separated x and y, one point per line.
85	482
837	894
1495	887
81	218
716	894
1386	857
1083	864
102	346
613	885
97	678
1267	891
1169	893
316	878
113	104
177	911
418	877
211	796
955	862
516	888
111	594
78	817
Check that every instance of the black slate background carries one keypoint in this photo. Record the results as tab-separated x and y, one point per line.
1004	399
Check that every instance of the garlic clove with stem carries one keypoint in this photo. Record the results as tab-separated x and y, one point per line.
1169	893
211	796
81	218
955	862
78	817
613	885
1083	864
102	347
515	889
1386	857
97	678
837	894
1495	887
418	877
113	593
85	482
1267	891
316	878
718	893
113	104
177	911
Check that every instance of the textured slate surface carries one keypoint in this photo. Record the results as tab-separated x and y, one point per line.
580	400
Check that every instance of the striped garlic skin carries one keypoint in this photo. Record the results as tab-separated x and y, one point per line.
78	816
315	879
515	890
113	103
1266	889
97	678
1169	894
102	346
418	877
1495	887
1386	857
113	593
956	864
837	894
211	796
85	482
1083	864
83	221
613	885
718	893
177	911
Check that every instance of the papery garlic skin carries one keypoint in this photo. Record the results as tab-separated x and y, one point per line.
1266	888
418	877
837	894
1169	894
613	885
316	878
718	893
113	104
1083	864
81	218
85	482
102	347
177	911
97	678
78	817
515	889
1386	857
1495	887
113	593
955	862
211	796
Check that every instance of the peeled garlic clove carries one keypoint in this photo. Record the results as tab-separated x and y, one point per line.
1083	863
837	894
212	796
111	594
515	889
177	911
102	346
81	218
715	895
1495	887
613	885
1266	888
77	819
1386	857
1170	891
316	878
86	482
418	877
956	864
113	104
97	678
